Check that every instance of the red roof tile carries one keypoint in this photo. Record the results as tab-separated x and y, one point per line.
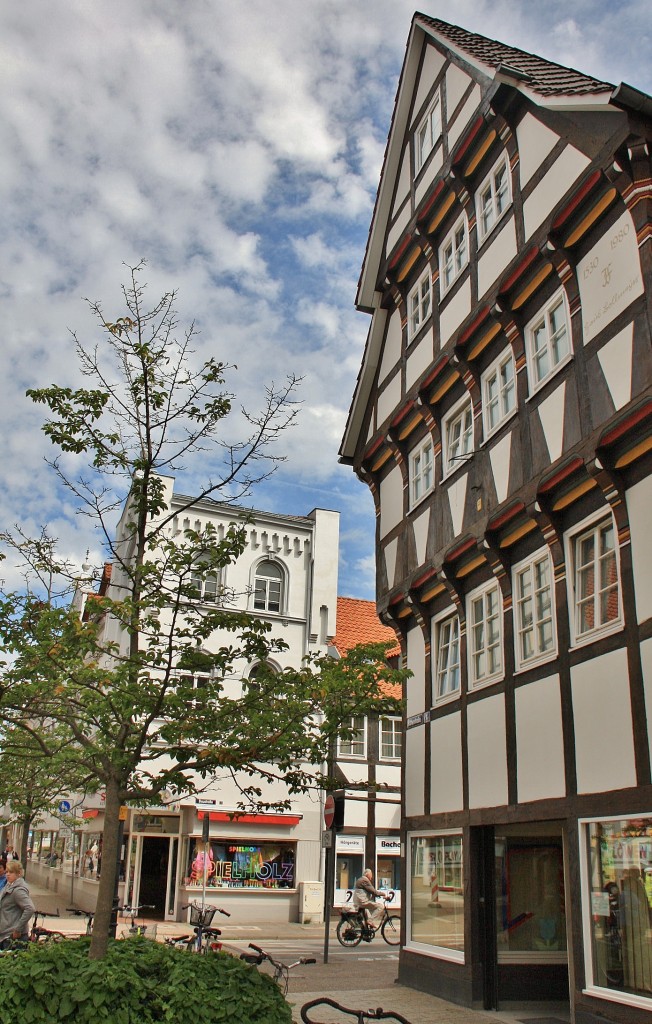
358	623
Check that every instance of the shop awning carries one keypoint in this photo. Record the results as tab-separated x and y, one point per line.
90	812
241	818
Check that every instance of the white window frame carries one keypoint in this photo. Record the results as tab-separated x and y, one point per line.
340	742
419	477
442	671
488	187
434	952
451	241
428	133
539	655
452	462
542	320
478	641
207	585
419	304
494	371
591	525
591	986
397	737
266	610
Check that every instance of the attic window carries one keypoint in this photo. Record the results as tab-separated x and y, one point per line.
427	134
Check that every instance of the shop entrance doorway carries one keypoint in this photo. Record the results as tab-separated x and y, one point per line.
154	874
524	921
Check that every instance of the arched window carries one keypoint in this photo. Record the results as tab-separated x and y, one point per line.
268	587
205	586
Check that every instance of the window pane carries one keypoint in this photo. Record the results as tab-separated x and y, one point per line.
437	891
620	881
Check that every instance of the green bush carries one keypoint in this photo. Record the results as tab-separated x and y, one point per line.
138	982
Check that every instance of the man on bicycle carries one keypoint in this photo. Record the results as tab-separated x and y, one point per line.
364	898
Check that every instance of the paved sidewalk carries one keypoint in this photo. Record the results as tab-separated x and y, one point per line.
363	983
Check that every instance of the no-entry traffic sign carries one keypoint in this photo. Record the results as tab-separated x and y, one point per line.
329	811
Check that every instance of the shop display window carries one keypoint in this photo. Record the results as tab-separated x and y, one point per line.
618	907
240	864
436	908
530	901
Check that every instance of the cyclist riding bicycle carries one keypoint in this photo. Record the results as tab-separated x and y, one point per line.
364	898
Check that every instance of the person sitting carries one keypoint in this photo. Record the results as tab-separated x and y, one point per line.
364	898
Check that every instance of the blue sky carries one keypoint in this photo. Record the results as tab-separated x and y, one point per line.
237	148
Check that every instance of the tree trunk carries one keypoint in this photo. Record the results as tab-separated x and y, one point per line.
25	824
110	854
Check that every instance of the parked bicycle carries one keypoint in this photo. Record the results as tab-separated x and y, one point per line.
360	1016
353	926
132	911
88	914
280	971
203	939
38	933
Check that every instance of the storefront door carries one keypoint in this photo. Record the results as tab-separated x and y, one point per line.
153	870
529	911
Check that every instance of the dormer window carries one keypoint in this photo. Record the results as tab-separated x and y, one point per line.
453	254
427	134
419	304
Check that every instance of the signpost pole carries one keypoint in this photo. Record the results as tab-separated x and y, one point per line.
328	841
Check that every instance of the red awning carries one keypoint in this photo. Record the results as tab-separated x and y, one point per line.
90	812
240	818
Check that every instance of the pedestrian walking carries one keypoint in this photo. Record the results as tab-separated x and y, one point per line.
16	907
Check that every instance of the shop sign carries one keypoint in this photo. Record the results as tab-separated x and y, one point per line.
388	845
350	844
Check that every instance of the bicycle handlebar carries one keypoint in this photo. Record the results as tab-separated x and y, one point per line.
361	1015
47	913
209	906
80	913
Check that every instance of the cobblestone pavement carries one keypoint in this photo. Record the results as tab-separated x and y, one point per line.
359	983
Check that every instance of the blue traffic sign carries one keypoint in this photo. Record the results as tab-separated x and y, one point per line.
64	806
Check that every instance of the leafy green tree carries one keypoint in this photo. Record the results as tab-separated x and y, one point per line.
115	681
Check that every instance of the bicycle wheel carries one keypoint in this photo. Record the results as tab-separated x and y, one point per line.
391	930
349	933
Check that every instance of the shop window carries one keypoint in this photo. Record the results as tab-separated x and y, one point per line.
617	900
436	899
391	733
534	611
594	580
530	899
355	743
419	304
240	864
268	587
484	618
422	476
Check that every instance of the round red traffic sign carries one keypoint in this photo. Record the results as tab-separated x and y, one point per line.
329	811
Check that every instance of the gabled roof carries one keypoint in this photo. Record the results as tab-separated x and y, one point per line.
542	76
358	623
543	81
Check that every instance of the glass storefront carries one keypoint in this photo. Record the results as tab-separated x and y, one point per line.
239	864
436	909
530	902
620	911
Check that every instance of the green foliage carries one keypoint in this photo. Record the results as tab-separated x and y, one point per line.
138	982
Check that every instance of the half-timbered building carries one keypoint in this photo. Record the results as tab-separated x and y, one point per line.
502	419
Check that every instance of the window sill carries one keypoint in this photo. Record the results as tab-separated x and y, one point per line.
420	501
596	634
541	659
460	463
492	230
613	996
414	339
482	684
451	287
446	699
436	952
553	373
490	435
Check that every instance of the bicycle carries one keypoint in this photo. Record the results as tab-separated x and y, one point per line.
88	914
281	971
38	933
134	928
353	927
360	1015
204	938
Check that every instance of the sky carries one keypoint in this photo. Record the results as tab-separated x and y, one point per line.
236	147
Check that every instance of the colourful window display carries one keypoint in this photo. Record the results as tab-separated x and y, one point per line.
240	864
